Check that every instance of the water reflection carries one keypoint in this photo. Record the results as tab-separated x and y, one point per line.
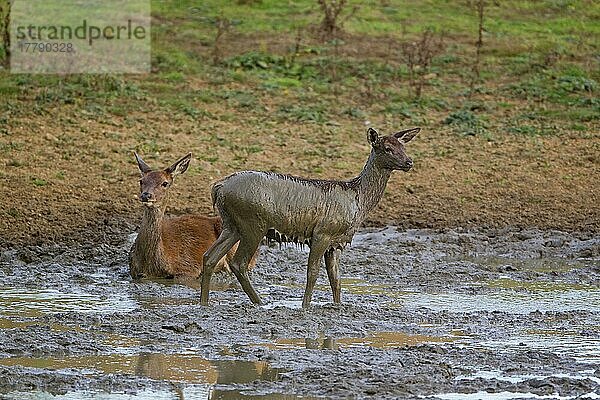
170	367
191	392
219	283
543	264
382	340
511	301
37	302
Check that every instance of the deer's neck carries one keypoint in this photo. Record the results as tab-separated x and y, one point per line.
149	241
371	184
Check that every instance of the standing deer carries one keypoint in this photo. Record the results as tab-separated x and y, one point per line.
320	213
171	247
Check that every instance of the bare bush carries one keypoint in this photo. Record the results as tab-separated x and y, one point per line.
333	20
418	55
222	25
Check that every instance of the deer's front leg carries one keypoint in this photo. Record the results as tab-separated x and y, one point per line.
332	263
317	249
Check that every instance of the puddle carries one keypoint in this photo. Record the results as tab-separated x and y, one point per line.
498	375
545	264
7	323
506	396
381	340
361	286
37	302
583	349
194	377
354	285
92	395
196	392
538	286
220	283
509	301
171	367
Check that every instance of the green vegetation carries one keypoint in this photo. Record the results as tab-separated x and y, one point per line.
273	62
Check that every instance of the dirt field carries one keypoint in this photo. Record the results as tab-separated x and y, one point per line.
519	150
78	180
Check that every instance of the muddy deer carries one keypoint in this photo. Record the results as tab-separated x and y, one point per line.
171	247
322	214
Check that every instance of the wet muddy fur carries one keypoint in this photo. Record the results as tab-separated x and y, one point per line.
319	213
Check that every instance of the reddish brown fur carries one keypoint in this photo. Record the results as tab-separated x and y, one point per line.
171	247
185	240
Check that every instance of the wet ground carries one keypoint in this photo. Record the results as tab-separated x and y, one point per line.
425	315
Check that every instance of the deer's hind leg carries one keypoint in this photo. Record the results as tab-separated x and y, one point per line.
317	249
226	240
332	264
246	250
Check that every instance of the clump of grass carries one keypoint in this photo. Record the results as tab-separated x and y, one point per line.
239	98
466	122
314	114
39	182
275	64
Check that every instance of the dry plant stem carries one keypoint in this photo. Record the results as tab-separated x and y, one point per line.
223	24
334	62
332	23
478	45
418	57
331	10
297	45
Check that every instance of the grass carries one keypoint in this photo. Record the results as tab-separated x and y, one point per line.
533	52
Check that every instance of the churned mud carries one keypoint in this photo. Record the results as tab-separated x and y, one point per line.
437	315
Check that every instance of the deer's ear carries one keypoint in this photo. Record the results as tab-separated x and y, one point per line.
407	135
373	137
180	166
144	168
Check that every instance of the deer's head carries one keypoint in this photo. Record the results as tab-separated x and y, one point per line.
155	184
389	150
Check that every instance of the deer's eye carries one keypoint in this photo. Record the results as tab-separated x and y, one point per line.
388	149
165	184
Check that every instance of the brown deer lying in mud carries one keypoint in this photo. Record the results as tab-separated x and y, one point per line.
171	247
320	213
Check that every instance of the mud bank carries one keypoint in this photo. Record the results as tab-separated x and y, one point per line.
425	314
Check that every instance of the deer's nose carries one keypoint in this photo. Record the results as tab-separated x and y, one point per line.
409	164
145	197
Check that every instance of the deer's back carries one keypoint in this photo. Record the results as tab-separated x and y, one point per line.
293	206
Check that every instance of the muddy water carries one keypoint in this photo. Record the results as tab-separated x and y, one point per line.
435	315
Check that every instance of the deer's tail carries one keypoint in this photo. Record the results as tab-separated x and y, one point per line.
215	193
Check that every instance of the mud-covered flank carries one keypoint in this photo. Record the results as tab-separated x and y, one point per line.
450	315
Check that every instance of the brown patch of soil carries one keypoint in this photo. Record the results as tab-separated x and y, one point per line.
68	177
